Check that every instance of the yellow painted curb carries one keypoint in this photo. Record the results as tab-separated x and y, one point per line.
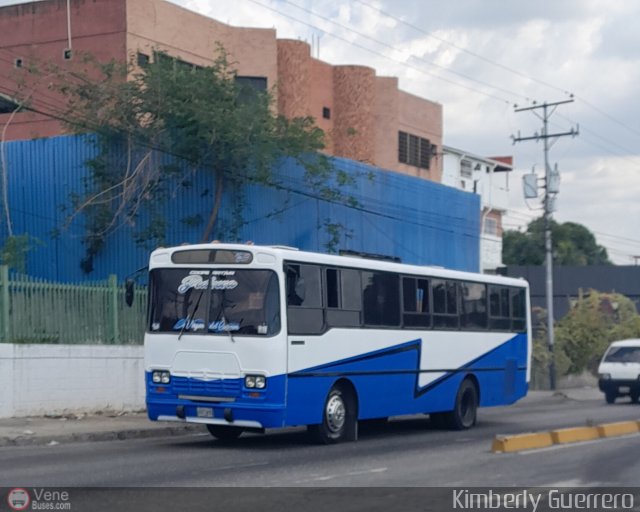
521	442
574	435
621	428
533	440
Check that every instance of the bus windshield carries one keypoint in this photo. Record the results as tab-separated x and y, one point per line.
201	301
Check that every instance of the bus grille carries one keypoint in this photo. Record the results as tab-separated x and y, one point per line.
219	387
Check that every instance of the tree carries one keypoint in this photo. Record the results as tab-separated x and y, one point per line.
199	115
573	244
594	321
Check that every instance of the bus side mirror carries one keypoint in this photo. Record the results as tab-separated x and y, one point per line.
129	291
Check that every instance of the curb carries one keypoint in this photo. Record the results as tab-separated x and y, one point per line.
114	435
535	440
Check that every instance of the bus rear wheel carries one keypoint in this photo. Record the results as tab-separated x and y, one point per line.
338	417
224	433
465	413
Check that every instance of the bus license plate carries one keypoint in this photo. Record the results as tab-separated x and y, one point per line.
624	389
204	412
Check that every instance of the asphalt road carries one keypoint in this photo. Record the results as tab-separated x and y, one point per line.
405	452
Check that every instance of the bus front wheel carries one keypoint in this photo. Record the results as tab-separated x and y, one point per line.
465	413
224	433
338	418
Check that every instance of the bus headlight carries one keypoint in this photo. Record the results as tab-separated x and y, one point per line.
605	376
255	381
160	377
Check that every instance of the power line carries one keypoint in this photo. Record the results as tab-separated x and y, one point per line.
461	49
498	65
369	50
386	45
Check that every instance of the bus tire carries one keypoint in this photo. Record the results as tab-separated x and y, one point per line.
465	412
225	433
610	397
338	418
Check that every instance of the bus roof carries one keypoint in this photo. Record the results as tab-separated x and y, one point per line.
285	253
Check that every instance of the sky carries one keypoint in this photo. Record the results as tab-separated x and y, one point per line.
481	58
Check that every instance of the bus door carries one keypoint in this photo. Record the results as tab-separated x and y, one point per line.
305	315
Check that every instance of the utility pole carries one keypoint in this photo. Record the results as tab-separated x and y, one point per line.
549	202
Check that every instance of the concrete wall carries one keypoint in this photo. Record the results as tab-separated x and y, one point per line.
423	118
157	24
37	34
365	111
569	280
42	379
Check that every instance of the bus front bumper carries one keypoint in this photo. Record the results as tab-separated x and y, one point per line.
245	415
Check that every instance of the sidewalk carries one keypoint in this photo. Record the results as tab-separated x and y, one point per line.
135	425
87	427
579	394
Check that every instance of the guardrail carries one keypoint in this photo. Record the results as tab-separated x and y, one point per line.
34	310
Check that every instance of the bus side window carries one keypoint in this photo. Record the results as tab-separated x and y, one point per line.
474	306
499	316
415	294
343	299
381	299
304	299
518	310
445	303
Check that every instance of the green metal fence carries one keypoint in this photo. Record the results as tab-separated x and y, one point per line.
33	310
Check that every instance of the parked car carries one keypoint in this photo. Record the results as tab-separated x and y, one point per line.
619	371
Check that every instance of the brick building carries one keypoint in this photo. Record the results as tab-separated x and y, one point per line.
365	117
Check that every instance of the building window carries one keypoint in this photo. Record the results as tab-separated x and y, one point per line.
465	169
176	63
143	60
414	150
326	112
249	87
7	106
491	226
257	83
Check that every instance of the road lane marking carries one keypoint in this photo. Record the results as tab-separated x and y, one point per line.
240	466
325	478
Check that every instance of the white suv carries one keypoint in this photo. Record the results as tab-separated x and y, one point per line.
619	371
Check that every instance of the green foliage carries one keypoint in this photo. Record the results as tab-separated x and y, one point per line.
335	231
594	321
541	357
573	244
15	250
198	115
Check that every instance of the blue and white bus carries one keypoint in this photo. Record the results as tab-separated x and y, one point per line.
245	338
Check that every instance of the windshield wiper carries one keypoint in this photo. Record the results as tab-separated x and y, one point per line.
190	317
225	325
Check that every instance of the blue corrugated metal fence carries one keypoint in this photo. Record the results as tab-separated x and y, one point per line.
417	220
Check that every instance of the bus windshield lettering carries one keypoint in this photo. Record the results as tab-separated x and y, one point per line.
214	302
